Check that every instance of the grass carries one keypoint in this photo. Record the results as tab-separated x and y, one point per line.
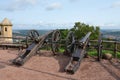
118	54
94	52
61	50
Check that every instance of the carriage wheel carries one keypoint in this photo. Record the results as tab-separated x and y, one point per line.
32	36
56	36
69	43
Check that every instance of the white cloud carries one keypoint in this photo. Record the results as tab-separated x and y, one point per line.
15	5
115	5
54	6
18	5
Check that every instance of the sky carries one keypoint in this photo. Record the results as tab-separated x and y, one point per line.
55	14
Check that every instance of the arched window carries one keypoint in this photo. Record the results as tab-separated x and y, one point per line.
5	29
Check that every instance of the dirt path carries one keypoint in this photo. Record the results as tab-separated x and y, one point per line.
48	67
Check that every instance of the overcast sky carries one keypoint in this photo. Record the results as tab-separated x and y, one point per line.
53	14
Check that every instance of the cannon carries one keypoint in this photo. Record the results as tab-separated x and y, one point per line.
34	42
77	50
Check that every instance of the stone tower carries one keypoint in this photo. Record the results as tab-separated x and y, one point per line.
6	31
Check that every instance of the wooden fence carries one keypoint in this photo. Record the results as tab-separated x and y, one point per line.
107	45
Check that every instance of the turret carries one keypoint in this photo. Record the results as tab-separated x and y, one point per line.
6	31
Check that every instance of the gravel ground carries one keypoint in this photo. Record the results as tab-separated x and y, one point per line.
48	67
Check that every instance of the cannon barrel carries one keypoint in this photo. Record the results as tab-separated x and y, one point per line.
84	39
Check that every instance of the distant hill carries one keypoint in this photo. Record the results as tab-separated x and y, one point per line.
117	33
106	33
24	32
112	34
109	30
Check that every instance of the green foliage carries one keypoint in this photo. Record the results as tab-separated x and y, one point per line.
92	52
82	29
118	54
61	50
64	33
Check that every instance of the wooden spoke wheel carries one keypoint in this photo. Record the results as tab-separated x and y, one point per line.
56	36
69	43
32	36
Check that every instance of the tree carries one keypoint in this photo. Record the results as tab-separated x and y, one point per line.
81	29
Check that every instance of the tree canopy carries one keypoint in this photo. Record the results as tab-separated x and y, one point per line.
81	29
